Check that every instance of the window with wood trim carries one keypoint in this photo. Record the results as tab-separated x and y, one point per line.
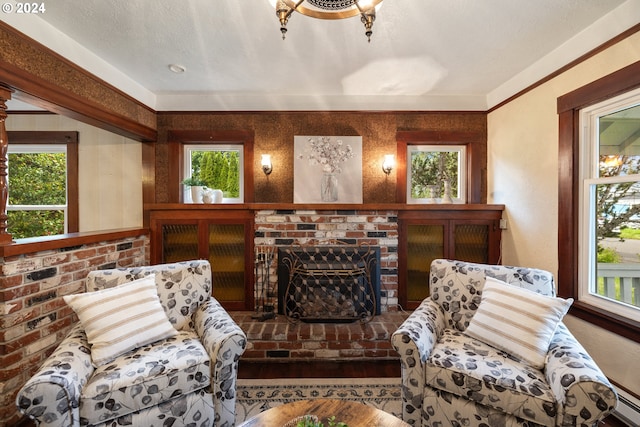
43	183
585	160
609	266
183	145
217	167
470	155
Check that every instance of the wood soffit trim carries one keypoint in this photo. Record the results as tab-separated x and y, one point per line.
40	47
34	90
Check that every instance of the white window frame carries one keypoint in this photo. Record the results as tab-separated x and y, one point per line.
186	167
462	170
589	179
35	149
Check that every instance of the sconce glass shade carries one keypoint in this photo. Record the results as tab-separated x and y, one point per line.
388	163
265	161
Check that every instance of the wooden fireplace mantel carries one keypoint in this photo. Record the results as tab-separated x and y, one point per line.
325	206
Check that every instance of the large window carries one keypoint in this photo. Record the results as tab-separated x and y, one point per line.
609	274
42	181
601	168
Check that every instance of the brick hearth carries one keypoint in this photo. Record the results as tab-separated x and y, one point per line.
279	339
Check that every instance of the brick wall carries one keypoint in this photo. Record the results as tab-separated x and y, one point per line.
35	318
282	228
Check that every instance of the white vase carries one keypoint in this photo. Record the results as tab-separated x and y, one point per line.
196	193
431	189
329	188
216	196
446	198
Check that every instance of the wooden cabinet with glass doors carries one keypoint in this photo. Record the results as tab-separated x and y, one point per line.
469	233
224	238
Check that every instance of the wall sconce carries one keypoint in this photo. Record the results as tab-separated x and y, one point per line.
267	168
388	163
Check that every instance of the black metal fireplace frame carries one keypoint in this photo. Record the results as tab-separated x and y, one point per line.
349	274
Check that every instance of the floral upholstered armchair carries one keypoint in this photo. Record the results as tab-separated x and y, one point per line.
186	377
532	374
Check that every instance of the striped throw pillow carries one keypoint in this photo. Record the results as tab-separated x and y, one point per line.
122	318
518	321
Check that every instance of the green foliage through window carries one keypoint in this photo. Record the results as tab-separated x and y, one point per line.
24	224
37	179
219	170
429	170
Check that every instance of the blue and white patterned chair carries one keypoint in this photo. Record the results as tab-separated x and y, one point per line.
451	379
188	379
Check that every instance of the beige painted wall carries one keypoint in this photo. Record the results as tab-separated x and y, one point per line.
110	171
523	174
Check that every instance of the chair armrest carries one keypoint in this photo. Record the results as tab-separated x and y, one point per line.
584	392
52	395
225	342
414	340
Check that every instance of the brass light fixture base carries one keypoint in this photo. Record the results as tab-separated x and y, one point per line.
329	9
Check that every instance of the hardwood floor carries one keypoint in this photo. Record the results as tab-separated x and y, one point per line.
313	369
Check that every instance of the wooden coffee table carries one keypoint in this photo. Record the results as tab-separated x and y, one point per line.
354	414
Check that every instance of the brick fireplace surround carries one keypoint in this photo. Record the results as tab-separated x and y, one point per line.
279	339
284	228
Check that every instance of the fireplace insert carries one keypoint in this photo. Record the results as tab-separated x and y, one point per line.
329	283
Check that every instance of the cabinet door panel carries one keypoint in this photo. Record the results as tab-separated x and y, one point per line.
471	242
227	258
179	242
463	234
425	242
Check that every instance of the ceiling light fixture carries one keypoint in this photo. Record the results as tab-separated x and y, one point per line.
177	68
329	9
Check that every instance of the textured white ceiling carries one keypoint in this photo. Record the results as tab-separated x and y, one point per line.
424	54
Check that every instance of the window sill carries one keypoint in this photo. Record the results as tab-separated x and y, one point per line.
37	244
610	321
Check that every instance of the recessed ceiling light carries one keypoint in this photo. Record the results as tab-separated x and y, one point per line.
176	68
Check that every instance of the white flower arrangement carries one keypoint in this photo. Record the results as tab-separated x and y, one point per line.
328	154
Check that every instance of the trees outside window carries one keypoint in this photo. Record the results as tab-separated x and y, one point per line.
220	170
43	183
37	191
610	223
218	166
431	168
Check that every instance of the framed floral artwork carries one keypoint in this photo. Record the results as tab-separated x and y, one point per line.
327	169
